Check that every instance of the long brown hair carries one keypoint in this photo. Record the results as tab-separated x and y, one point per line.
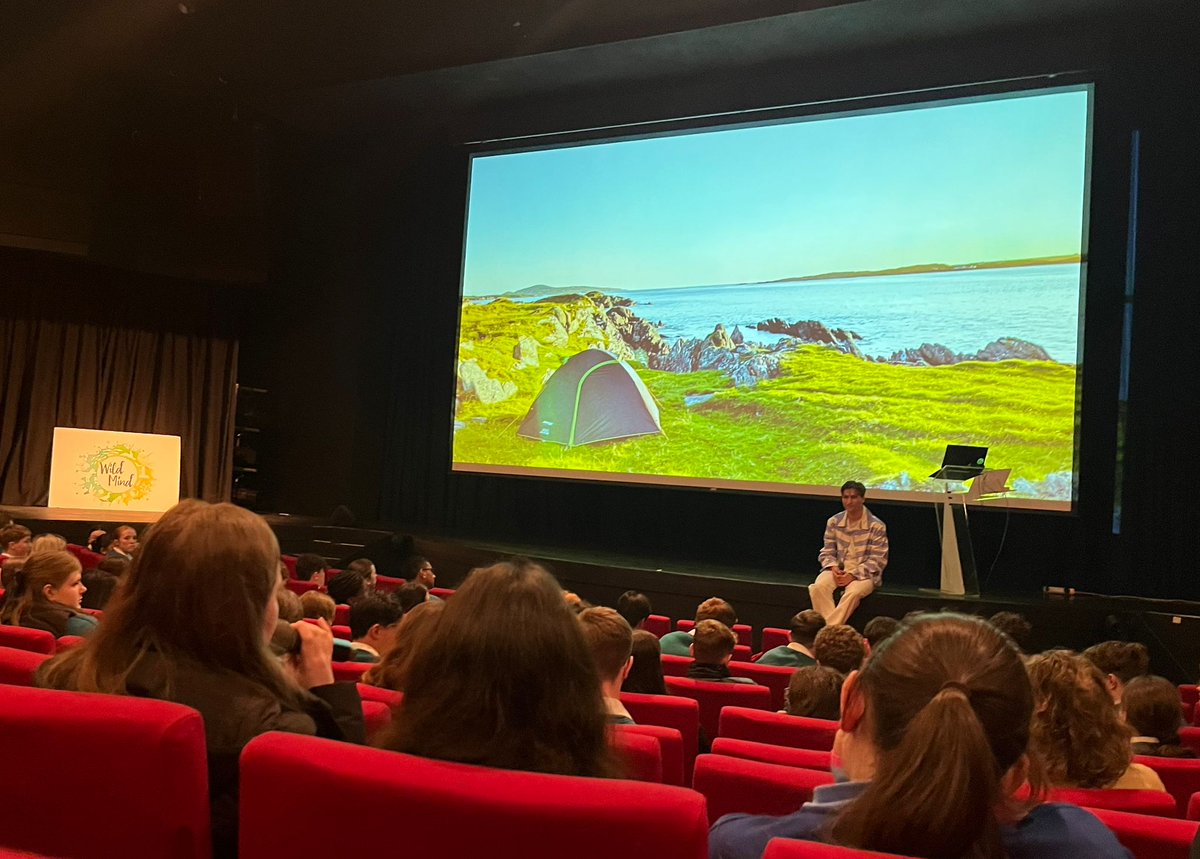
196	592
28	584
947	707
416	626
506	680
1077	731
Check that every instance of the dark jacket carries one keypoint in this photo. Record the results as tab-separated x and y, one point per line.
57	619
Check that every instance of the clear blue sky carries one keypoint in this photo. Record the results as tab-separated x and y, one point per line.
957	183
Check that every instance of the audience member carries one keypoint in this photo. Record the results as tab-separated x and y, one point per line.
646	676
410	595
574	601
290	610
840	647
932	741
318	606
417	625
100	584
635	607
8	575
374	621
513	685
679	643
311	568
418	569
191	624
1119	662
47	543
814	691
1077	733
610	638
798	652
364	568
879	629
123	543
1151	706
1015	626
346	588
95	540
47	593
15	542
712	649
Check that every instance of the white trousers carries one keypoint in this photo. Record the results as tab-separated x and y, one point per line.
821	594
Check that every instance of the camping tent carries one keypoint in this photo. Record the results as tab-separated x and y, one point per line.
592	397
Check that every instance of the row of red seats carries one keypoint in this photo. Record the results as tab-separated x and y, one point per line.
772	637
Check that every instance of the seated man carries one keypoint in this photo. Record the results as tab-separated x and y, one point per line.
679	643
853	556
712	648
1119	662
841	648
310	568
634	606
611	642
123	543
16	541
410	595
418	569
815	691
880	629
798	651
374	621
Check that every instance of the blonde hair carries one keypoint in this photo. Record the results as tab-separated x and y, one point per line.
47	543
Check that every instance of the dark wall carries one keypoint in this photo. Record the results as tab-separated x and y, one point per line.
357	336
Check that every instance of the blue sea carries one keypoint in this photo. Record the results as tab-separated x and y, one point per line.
963	310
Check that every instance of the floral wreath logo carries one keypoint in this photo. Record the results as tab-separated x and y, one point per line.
117	473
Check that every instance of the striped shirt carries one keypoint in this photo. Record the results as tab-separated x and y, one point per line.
861	551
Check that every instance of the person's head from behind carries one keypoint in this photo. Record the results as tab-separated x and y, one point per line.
415	627
289	605
715	608
418	569
365	568
1077	732
937	722
815	691
374	621
634	606
318	606
610	639
1015	626
16	541
410	595
713	643
1151	706
804	627
879	629
1119	662
646	675
840	647
124	539
47	543
99	586
54	578
310	568
114	566
506	680
346	587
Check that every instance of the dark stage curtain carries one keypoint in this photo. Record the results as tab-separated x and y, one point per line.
142	359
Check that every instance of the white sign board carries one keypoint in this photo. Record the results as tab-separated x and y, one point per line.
102	470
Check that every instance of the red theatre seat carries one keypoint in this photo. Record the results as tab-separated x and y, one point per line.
289	561
88	559
657	624
383	696
342	632
787	848
442	593
773	636
809	759
341	615
774	677
350	672
744	632
449	810
714	697
1193	809
669	711
675	666
1149	837
1180	776
735	785
778	729
17	667
33	640
300	588
152	794
1190	737
376	716
386	584
1153	802
67	642
1189	693
670	746
640	754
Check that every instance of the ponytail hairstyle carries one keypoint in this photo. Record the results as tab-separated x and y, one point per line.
39	570
947	706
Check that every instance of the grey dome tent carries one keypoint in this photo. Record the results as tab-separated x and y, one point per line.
592	397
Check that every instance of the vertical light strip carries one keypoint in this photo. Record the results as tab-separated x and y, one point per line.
1127	326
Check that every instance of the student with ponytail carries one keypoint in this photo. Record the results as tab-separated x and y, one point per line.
930	749
46	594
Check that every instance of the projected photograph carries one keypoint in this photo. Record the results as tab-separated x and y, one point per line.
783	305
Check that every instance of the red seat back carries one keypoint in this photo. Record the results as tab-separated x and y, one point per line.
442	593
682	714
640	754
298	587
376	716
714	697
385	584
66	642
1148	837
17	667
149	756
88	559
778	729
657	624
350	672
774	677
741	653
451	810
787	848
341	615
383	696
342	632
670	745
773	636
1180	776
676	666
809	759
1190	738
1193	809
289	561
1153	802
1189	693
33	640
732	785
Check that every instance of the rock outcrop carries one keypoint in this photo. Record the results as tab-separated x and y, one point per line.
474	382
937	355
